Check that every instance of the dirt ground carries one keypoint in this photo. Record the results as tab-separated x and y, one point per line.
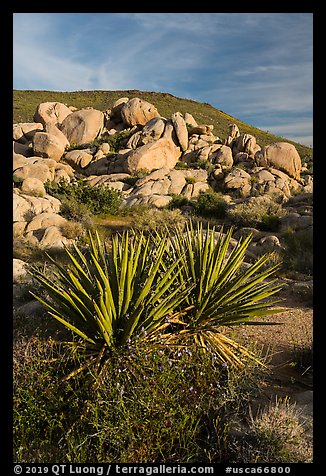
289	346
287	341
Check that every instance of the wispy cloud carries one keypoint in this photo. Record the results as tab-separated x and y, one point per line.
251	65
301	131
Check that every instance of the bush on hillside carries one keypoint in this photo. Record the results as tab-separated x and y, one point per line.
263	214
211	204
98	200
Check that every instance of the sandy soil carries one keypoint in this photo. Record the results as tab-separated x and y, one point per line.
286	342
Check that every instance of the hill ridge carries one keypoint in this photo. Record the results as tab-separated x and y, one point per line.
26	101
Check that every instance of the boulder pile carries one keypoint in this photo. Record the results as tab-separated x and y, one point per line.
156	158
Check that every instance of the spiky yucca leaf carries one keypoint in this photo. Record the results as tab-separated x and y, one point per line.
224	293
107	296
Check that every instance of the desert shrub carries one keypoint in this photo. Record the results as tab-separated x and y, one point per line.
298	253
119	140
154	219
211	204
72	229
136	176
270	223
179	201
98	200
181	166
17	180
130	180
203	164
302	355
73	210
275	435
149	404
256	213
26	251
190	180
116	141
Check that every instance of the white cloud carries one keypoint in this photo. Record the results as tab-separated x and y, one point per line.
298	131
211	57
42	68
271	68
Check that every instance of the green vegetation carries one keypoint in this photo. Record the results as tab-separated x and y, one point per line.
114	295
179	291
208	204
96	200
211	204
158	220
181	166
17	180
149	405
25	103
270	223
298	254
190	180
116	141
262	213
179	201
221	293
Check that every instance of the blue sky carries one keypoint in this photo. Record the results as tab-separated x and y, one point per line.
254	66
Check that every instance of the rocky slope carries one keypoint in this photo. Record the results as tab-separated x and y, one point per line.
150	159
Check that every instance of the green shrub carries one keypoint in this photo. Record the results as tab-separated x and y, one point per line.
257	213
150	404
130	180
298	253
117	141
204	164
181	166
135	177
190	180
270	223
179	201
73	210
98	200
159	220
211	204
26	251
72	229
17	180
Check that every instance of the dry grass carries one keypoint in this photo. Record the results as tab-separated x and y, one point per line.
153	219
72	230
275	435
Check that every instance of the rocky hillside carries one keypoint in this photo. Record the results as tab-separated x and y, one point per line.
155	160
25	103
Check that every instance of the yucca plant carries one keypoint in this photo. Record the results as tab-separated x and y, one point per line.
225	291
178	290
109	296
